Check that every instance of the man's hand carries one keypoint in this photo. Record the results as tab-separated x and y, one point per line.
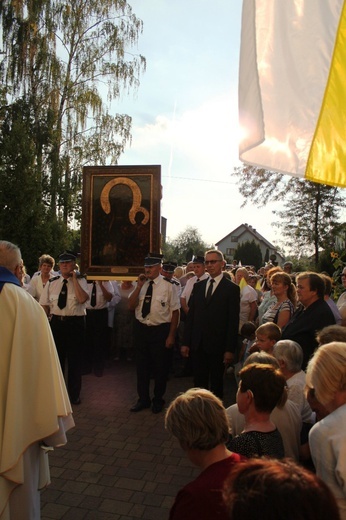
185	352
141	280
228	358
170	341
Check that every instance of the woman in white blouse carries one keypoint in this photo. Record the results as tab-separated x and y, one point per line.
39	279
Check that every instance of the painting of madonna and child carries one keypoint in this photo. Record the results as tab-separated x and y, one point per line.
120	219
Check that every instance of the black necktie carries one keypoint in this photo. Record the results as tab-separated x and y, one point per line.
210	290
147	300
62	300
93	295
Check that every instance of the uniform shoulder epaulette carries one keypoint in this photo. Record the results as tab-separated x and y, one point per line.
172	281
54	278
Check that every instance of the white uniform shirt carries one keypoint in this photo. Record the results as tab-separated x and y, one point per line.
51	293
101	302
189	286
164	301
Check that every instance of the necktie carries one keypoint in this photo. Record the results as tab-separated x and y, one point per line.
93	295
210	290
62	300
147	300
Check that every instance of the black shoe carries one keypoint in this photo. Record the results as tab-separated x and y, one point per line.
139	406
76	401
157	407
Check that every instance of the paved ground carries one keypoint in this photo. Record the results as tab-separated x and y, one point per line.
118	465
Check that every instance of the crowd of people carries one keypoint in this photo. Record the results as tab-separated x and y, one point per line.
288	356
278	333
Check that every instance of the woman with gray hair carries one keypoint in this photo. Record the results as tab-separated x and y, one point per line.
197	418
326	374
289	355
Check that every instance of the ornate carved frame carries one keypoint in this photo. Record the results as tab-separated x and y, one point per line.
120	219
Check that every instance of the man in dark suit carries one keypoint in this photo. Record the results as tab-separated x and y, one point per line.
311	316
211	327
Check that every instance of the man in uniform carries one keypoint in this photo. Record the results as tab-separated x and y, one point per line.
100	293
167	271
156	304
200	274
63	299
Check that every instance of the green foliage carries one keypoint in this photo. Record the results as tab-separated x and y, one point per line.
338	259
309	218
187	244
63	64
249	253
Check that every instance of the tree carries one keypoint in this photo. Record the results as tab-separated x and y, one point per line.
187	244
310	212
249	253
66	63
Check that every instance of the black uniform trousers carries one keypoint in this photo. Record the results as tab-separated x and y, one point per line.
69	337
96	340
152	358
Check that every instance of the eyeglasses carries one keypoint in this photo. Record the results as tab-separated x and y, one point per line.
212	261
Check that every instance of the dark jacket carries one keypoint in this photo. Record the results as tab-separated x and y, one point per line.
304	325
213	326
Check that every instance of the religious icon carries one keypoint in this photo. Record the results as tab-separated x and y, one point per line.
121	218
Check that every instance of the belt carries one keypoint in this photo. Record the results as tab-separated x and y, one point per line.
66	318
153	326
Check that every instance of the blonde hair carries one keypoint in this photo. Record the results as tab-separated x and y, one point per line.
198	419
326	371
286	280
179	271
46	259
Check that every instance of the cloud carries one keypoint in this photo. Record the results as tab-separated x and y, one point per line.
205	138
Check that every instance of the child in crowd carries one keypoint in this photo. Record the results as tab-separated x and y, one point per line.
266	337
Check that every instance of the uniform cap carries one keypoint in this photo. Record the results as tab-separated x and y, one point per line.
169	267
67	256
198	259
152	259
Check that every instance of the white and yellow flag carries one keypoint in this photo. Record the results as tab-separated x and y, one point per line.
292	88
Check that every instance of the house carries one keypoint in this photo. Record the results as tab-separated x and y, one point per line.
247	233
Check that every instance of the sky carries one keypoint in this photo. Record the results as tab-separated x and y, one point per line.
185	115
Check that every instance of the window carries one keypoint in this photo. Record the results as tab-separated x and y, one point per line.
234	238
